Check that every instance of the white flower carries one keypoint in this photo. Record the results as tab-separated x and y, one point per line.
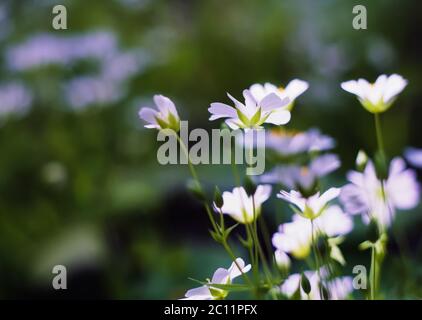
252	114
296	237
221	276
338	288
240	206
365	195
293	89
282	260
312	206
165	118
379	96
414	156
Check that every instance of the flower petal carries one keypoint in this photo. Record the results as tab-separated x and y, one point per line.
221	110
279	117
273	101
295	88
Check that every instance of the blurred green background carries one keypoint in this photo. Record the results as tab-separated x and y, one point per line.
79	181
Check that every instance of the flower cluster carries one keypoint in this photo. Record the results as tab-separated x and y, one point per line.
300	164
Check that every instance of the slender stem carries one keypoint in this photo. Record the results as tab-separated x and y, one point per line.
197	182
373	273
380	140
316	259
259	251
233	257
234	170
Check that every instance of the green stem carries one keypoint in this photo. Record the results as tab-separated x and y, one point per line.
197	182
380	140
373	273
314	246
233	257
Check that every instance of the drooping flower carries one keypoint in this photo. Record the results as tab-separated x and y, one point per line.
376	199
282	260
293	89
303	178
165	118
295	237
252	114
309	207
338	288
240	206
379	96
221	276
414	156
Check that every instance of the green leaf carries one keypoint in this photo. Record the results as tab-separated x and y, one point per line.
305	284
218	198
229	287
229	230
256	117
243	118
366	245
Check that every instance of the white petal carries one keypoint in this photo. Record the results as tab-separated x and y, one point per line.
279	117
295	88
233	123
356	87
234	271
148	115
221	276
165	105
395	84
329	195
258	92
262	194
200	293
273	101
221	110
240	106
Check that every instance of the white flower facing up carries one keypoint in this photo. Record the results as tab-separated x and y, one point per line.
253	113
293	90
295	237
338	288
240	206
221	276
165	118
376	97
309	207
365	195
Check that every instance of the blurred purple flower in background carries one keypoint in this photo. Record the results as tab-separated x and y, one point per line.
414	157
365	194
45	49
302	177
115	67
83	91
15	99
290	143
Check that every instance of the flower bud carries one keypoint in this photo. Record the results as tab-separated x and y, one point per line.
218	198
282	260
